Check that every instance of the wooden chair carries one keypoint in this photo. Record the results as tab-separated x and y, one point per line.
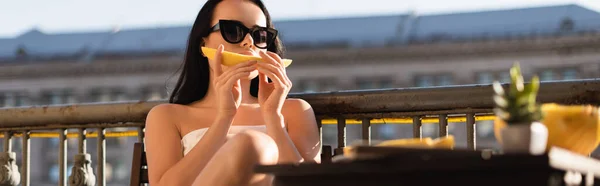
139	166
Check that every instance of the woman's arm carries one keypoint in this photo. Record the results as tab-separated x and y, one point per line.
300	143
166	163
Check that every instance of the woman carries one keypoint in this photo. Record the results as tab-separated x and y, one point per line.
218	124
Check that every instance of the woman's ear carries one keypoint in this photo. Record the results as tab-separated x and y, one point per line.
202	43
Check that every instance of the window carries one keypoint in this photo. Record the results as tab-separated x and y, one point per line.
107	95
547	75
424	81
569	73
152	93
362	84
120	96
485	78
386	83
308	86
491	76
13	99
561	73
434	80
444	80
328	85
505	77
374	82
58	96
316	85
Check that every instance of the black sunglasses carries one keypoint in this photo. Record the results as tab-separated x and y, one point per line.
235	32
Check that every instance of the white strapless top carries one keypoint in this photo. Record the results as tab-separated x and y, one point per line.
191	139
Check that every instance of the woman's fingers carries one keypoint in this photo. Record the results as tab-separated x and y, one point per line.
242	67
276	71
275	57
269	60
234	79
273	74
280	66
215	64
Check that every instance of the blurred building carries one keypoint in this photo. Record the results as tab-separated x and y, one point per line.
390	51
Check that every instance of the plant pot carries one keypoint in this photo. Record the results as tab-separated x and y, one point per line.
524	138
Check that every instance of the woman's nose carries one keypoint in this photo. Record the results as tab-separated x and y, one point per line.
248	42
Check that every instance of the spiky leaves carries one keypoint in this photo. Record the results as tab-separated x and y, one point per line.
518	104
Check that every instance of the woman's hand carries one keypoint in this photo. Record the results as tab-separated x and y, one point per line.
271	96
227	84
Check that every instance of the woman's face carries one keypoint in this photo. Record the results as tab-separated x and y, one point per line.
244	11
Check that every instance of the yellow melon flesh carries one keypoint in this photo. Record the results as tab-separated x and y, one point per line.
230	58
446	142
408	142
439	143
573	127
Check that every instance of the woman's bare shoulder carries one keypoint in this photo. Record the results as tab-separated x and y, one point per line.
166	109
295	108
165	113
184	117
295	105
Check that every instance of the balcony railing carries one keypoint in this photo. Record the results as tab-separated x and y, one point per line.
405	105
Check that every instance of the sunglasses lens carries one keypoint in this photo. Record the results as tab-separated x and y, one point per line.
260	38
232	33
263	37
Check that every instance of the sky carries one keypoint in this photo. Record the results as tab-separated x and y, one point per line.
59	16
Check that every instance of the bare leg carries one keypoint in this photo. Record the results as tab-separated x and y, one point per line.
233	163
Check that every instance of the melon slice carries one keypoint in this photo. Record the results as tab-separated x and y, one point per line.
230	58
446	142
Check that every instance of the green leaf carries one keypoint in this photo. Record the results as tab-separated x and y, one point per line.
522	100
519	82
516	78
498	88
535	86
500	101
535	83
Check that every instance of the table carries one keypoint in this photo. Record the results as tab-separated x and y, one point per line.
402	166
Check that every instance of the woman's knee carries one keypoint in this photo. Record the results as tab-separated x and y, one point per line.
256	146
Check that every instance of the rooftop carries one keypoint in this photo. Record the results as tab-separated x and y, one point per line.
353	32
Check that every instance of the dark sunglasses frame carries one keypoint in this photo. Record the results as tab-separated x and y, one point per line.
245	31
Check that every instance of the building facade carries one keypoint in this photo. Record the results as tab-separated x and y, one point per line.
391	51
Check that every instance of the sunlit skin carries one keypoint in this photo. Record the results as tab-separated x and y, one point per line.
291	132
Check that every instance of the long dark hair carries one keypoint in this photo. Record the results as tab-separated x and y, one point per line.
195	77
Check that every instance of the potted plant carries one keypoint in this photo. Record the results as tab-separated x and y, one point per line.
516	107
